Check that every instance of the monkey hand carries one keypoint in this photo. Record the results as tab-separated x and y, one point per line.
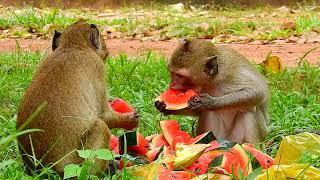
200	102
132	120
161	106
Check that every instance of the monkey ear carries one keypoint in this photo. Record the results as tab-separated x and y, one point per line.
55	40
211	66
94	36
185	43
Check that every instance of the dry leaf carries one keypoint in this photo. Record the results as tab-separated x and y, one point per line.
272	64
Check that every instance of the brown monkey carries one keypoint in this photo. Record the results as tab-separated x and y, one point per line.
71	80
233	96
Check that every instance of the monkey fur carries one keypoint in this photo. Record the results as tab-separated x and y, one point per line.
71	80
233	96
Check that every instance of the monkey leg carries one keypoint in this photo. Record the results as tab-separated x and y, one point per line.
249	127
95	137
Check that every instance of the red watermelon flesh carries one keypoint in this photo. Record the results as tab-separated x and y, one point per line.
200	166
214	145
166	174
158	141
172	133
121	106
114	144
264	160
236	160
175	99
141	141
153	153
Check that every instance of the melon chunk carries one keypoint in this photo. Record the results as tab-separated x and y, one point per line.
264	160
175	99
153	154
236	160
158	141
187	154
204	138
121	106
172	133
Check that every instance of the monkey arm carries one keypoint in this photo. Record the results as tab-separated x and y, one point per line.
243	98
126	121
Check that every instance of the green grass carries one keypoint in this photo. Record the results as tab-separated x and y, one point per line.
295	98
256	23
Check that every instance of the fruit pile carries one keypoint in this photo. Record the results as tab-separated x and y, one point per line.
174	154
180	155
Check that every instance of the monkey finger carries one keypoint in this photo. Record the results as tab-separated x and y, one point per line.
160	106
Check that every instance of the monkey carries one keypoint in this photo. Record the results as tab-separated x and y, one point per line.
70	81
232	98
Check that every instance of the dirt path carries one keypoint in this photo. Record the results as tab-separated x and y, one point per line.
289	53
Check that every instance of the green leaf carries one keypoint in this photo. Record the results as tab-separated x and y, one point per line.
103	154
71	170
86	153
254	173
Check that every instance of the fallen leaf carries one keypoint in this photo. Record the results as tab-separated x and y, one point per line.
272	64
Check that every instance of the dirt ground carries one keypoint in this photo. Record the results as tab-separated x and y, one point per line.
288	52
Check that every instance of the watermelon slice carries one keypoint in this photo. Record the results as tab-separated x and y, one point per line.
166	174
121	106
153	154
187	154
158	141
264	160
114	144
204	138
172	133
236	160
175	99
201	165
136	144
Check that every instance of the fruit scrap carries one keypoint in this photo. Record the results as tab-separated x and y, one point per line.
121	106
173	134
114	144
175	99
158	141
236	160
264	160
187	154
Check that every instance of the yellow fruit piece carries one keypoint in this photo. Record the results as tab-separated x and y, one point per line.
147	172
293	171
214	176
292	147
187	154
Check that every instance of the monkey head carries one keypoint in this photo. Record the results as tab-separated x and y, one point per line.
81	35
193	65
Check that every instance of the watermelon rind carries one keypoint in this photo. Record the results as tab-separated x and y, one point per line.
204	138
239	155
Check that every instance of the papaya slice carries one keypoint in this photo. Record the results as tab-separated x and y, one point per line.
121	106
175	99
236	160
264	160
172	133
